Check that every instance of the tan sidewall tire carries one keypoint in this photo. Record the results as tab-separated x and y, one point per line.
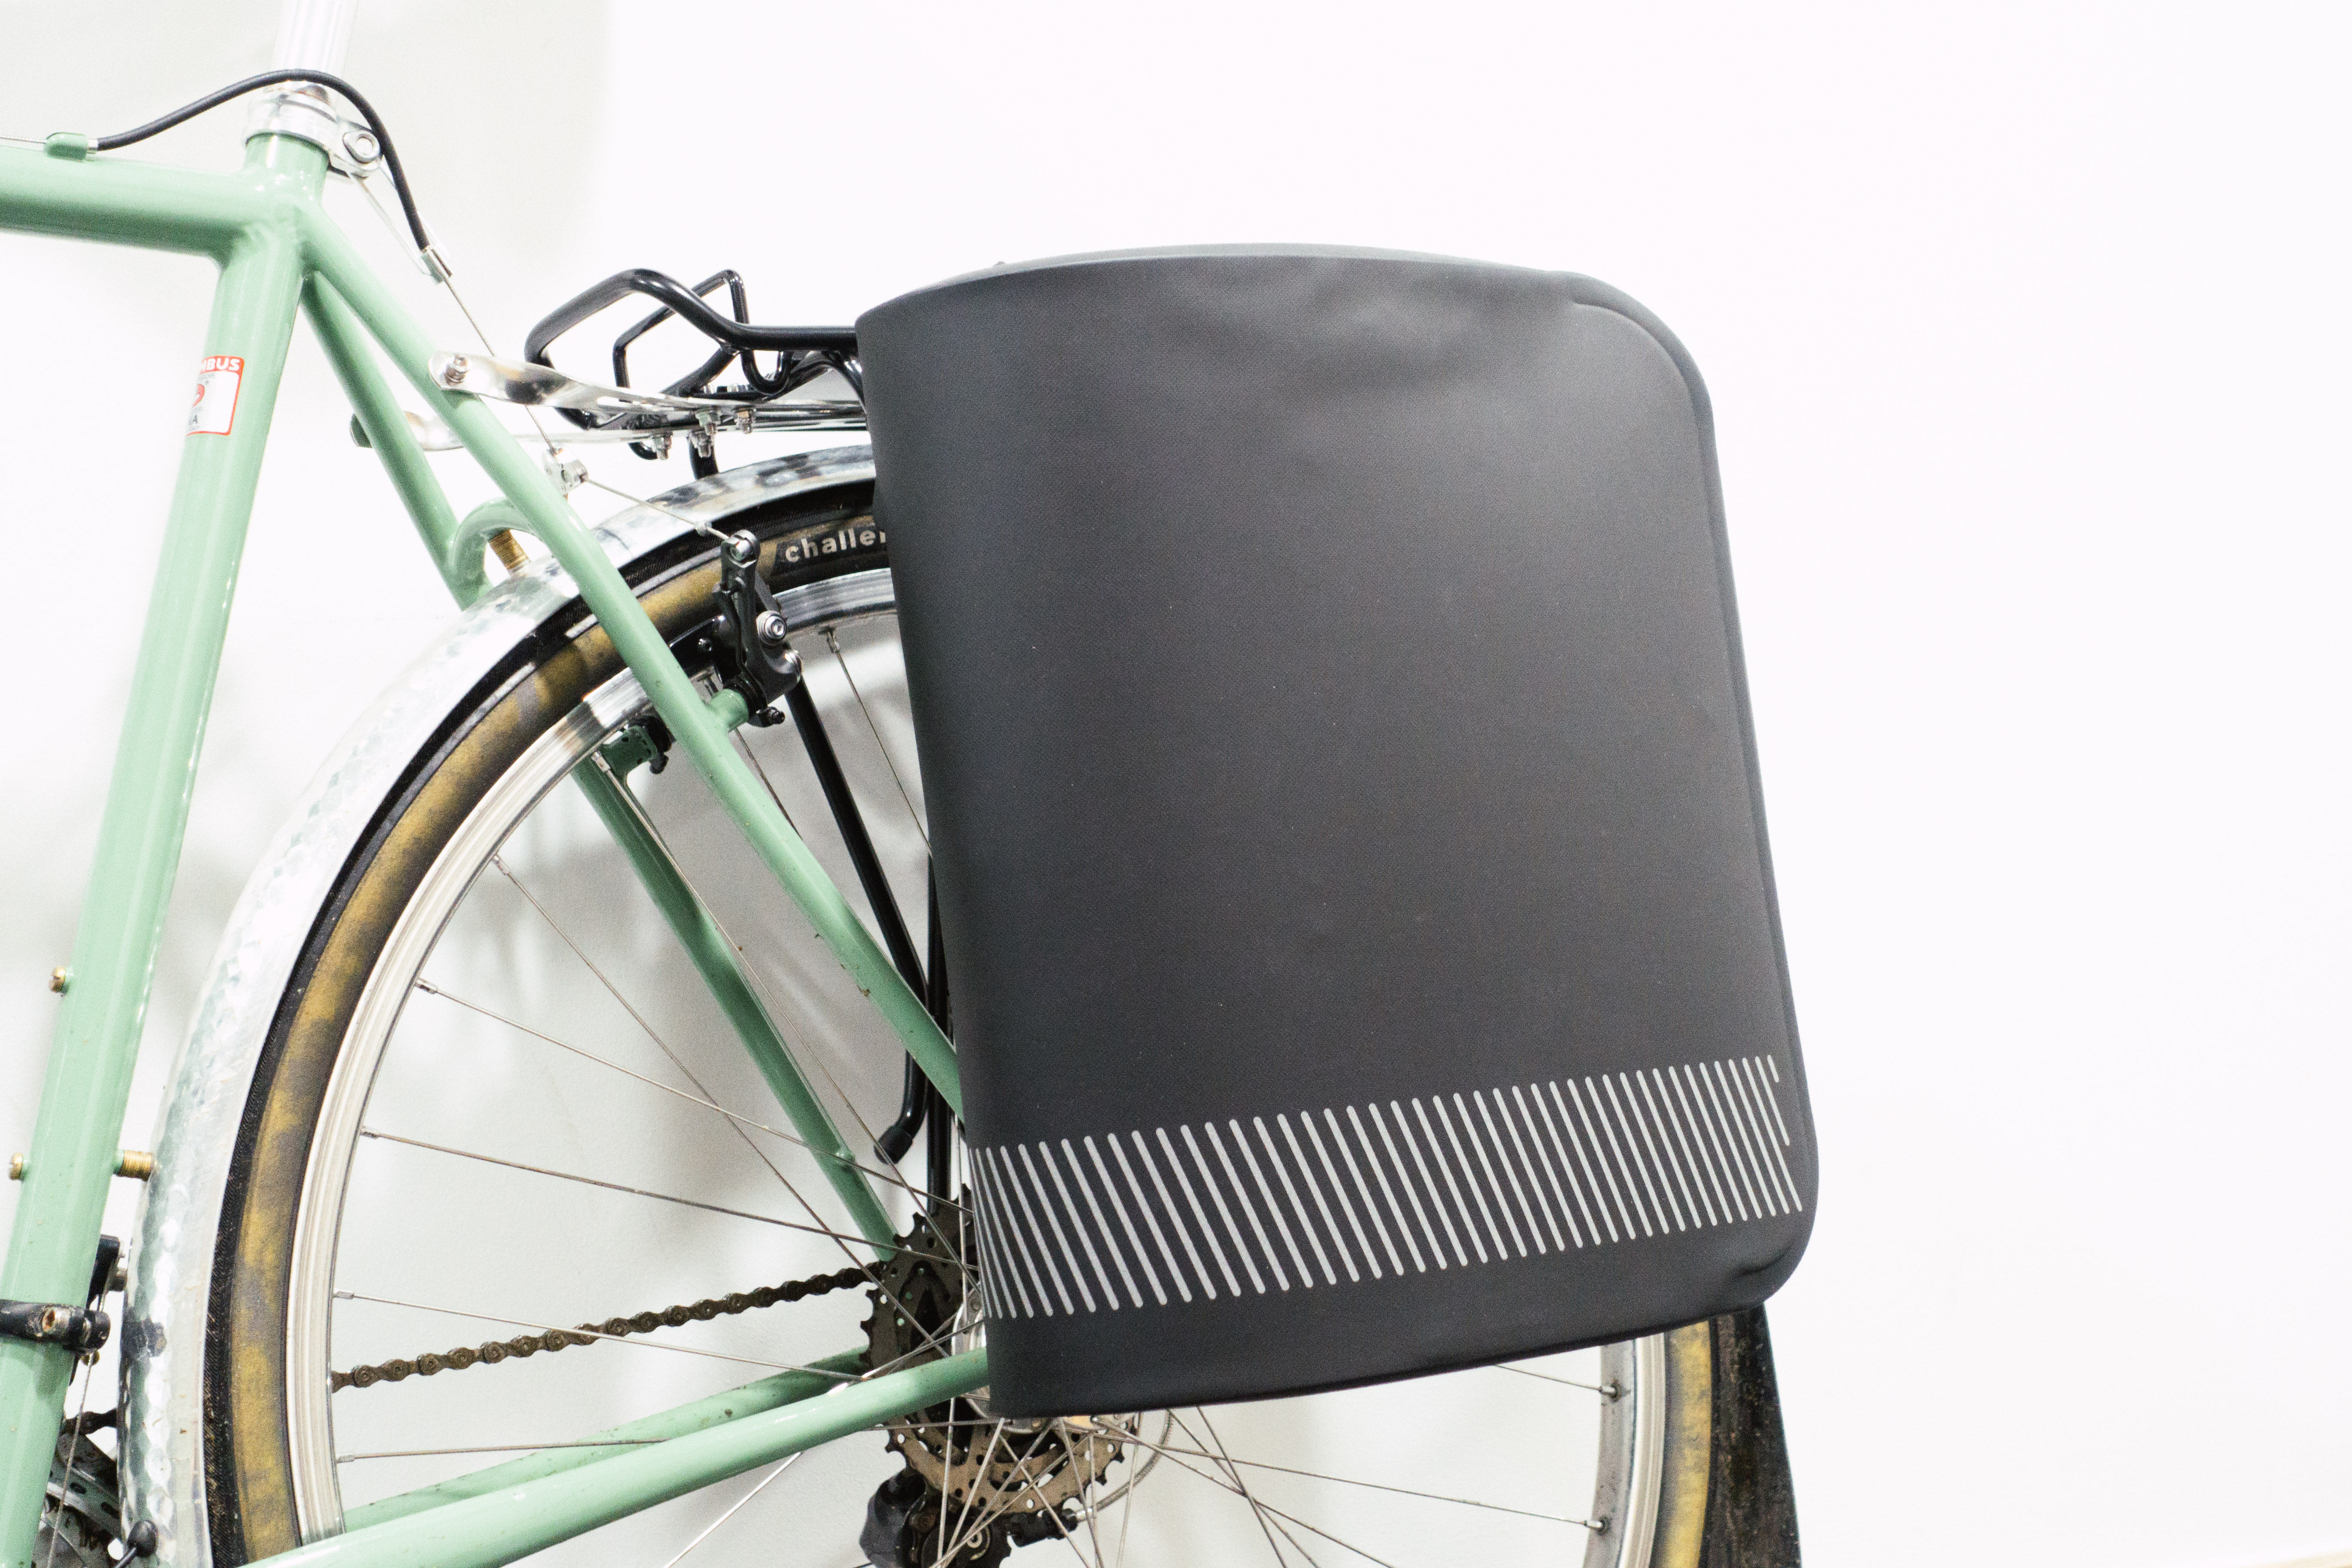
249	1461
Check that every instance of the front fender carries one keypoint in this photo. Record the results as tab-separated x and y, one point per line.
162	1343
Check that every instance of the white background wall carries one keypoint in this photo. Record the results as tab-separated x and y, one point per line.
2024	326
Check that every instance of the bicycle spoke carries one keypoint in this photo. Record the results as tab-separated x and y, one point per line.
1126	1516
995	1436
614	992
753	757
840	1239
1053	1515
1606	1390
73	1459
638	1191
497	1017
1093	1533
1239	1485
895	1177
834	642
1265	1508
1224	1458
733	1509
994	1511
736	1124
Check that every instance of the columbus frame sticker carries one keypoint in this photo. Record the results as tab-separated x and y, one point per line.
218	379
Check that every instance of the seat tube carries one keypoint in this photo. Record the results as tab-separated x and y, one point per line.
54	1237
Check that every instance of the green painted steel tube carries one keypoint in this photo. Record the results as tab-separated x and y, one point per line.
721	968
88	1083
697	732
752	1399
125	202
351	352
498	1526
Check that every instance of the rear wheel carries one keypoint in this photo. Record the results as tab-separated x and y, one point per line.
508	1178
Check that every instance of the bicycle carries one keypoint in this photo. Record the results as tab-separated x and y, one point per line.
508	814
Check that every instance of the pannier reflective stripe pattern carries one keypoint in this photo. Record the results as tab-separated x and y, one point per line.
1300	1199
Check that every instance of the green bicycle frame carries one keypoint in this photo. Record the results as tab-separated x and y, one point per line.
280	256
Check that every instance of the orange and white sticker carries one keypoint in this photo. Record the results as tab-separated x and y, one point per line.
217	380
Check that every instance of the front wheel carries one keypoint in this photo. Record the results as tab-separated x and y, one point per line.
510	1183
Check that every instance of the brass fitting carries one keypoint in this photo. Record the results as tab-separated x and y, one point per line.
509	550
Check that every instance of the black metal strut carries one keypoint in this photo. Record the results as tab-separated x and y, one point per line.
939	1144
846	816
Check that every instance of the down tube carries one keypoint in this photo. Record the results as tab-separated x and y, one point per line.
699	733
87	1085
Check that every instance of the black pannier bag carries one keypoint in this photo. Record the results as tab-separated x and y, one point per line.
1345	819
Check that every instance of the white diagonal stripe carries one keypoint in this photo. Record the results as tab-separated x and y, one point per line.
1437	1152
1519	1143
995	1166
1710	1108
1605	1100
1719	1093
1199	1269
1470	1174
1004	1289
1045	1201
1759	1092
1347	1203
1118	1207
1426	1183
1743	1119
1225	1210
1495	1141
1604	1144
1249	1209
1601	1195
1102	1228
1661	1106
998	1209
1543	1156
1274	1207
1379	1173
1771	1098
1315	1191
1680	1099
1208	1234
1568	1169
1631	1110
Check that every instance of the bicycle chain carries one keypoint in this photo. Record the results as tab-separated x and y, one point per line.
496	1350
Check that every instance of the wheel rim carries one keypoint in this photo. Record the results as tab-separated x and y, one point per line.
1617	1447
